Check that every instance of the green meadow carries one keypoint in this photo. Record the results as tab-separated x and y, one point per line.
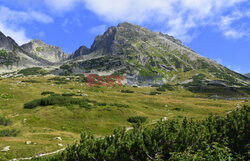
100	111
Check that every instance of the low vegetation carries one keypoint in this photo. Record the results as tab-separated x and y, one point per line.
8	58
98	110
214	138
47	93
31	81
165	87
137	119
4	121
55	100
154	93
68	94
127	91
9	132
119	105
33	71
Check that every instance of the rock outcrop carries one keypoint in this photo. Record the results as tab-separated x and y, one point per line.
50	53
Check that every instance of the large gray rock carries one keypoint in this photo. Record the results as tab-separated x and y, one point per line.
5	149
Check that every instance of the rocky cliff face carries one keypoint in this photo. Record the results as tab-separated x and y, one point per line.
50	53
83	50
7	42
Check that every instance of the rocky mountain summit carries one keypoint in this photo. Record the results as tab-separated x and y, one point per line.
134	51
13	57
83	50
50	53
129	50
7	42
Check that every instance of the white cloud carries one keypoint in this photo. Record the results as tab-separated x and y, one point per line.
18	35
231	28
70	21
178	17
98	30
231	33
61	5
11	20
12	16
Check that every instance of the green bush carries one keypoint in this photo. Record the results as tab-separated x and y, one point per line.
31	81
161	89
6	96
9	132
33	71
137	119
168	87
57	79
61	82
4	121
8	58
47	93
101	104
68	94
127	91
65	67
119	105
154	93
55	100
85	105
39	49
178	109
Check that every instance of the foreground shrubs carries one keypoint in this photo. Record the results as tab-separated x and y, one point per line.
9	132
214	138
4	121
137	119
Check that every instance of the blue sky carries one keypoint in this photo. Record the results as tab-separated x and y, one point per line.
217	29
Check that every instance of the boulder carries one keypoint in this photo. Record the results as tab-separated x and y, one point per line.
5	149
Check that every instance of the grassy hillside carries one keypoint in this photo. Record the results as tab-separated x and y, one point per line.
107	108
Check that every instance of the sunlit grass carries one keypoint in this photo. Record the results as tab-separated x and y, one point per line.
42	124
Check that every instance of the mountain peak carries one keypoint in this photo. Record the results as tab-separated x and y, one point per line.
126	24
38	41
83	50
48	52
7	42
